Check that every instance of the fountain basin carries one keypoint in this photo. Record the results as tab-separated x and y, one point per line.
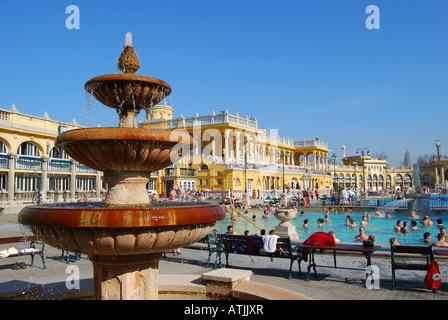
99	230
128	90
285	228
285	215
124	149
419	202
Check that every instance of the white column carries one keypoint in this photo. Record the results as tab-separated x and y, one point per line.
237	148
256	153
11	177
226	146
73	180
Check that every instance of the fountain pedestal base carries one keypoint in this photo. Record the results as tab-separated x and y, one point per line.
126	188
286	229
131	277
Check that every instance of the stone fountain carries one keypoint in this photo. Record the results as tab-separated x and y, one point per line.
419	202
285	228
126	234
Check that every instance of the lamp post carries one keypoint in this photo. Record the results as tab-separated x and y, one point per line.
283	160
437	177
363	166
438	145
334	158
245	167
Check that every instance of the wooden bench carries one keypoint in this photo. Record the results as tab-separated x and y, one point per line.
253	245
425	254
33	241
339	247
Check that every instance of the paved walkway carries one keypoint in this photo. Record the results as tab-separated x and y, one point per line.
331	284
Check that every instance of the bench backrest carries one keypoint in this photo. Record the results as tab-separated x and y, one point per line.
17	239
424	250
234	239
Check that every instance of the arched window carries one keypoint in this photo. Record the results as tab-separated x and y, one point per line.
204	167
57	153
294	183
28	149
28	159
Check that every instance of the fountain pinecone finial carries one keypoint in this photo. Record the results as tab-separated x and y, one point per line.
128	61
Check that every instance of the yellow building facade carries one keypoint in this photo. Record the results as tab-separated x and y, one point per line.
232	153
32	169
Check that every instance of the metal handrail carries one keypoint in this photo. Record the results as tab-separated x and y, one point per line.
242	215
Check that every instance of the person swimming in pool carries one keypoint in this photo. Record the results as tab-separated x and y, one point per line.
363	221
414	225
440	241
393	240
404	229
362	235
427	237
398	226
414	215
320	223
305	223
347	220
426	221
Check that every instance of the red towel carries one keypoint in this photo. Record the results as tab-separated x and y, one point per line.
318	239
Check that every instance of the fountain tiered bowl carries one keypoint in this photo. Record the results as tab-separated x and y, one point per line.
126	234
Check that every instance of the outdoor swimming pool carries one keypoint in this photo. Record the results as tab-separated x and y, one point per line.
381	227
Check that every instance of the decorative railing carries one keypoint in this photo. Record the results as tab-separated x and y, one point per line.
311	143
84	169
206	120
59	165
4	161
276	168
4	115
28	163
186	172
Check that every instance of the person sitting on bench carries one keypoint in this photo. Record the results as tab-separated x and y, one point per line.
270	243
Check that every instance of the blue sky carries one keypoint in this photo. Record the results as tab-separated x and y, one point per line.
307	68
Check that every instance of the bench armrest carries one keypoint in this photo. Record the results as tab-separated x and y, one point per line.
41	243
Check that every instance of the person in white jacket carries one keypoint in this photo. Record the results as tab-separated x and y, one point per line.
270	242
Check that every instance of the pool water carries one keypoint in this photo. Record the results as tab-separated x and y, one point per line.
382	228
